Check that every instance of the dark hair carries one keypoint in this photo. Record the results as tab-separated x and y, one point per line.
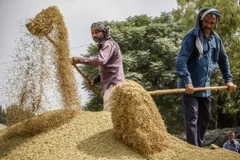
231	132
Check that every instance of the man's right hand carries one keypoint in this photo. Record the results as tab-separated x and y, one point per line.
75	60
189	88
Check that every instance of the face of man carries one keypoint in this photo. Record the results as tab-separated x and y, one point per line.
208	24
231	137
97	35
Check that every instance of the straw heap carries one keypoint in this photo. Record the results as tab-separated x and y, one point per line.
136	119
51	20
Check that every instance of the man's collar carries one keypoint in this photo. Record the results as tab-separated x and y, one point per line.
102	41
234	142
212	34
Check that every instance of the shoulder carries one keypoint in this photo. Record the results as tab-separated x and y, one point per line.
217	36
190	34
111	43
105	44
108	43
189	38
226	143
236	142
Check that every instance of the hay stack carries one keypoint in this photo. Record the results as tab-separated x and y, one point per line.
48	21
136	119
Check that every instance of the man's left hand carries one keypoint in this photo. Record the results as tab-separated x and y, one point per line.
231	86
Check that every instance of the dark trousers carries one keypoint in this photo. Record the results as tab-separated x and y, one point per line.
197	113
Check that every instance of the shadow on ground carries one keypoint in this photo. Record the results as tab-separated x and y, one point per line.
108	146
7	145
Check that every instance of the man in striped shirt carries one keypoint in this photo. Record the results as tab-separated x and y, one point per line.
108	60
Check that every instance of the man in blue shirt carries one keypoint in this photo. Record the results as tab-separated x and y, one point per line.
232	144
201	51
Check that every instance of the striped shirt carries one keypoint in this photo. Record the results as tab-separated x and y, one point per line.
109	62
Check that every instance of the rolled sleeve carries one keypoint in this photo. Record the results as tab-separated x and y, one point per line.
187	79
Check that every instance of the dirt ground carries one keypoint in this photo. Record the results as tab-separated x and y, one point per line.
90	136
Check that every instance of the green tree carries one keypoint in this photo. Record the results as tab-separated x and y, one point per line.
95	101
228	29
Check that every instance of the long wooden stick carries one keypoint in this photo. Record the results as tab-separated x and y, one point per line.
85	77
50	39
168	91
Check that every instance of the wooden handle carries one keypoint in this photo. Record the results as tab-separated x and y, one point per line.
168	91
50	39
85	77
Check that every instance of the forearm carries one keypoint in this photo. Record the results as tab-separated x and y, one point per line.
224	66
93	61
182	69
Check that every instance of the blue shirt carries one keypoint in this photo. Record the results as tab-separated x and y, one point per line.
235	146
192	68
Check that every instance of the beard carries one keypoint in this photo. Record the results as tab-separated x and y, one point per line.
97	40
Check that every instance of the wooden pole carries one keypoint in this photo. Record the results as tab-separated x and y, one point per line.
181	90
85	77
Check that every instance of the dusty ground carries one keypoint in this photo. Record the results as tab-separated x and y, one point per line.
90	136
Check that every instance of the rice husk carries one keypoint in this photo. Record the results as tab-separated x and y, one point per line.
49	24
90	136
136	119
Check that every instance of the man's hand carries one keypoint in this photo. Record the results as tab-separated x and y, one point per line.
91	83
71	61
189	88
74	60
231	86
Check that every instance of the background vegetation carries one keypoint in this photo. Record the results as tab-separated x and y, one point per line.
150	45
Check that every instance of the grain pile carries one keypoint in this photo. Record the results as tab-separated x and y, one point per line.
49	24
90	136
74	134
87	136
136	119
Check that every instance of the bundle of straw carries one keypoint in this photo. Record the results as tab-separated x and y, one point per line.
136	119
51	20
